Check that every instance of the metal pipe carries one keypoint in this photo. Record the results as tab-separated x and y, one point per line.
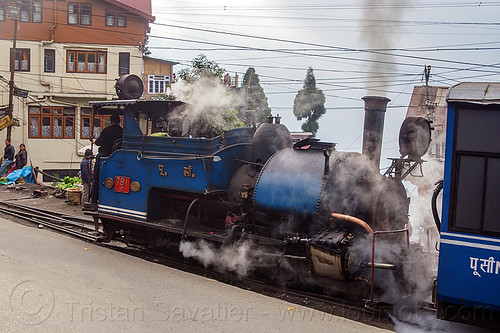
380	265
355	220
184	227
191	205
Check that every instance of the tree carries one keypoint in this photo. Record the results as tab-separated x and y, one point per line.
257	109
210	108
309	104
201	67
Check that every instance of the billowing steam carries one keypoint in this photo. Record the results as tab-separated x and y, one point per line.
210	103
228	258
378	33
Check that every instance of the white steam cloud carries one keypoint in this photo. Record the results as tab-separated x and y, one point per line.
227	258
209	102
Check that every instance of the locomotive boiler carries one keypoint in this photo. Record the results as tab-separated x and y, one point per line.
309	214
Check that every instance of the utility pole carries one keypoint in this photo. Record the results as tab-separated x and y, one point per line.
430	106
12	13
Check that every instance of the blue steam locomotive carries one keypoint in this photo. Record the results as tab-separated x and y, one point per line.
309	213
468	284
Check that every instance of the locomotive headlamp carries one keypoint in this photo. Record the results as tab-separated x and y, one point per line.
109	182
414	137
135	186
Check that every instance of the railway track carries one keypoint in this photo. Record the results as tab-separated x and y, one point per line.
83	228
73	225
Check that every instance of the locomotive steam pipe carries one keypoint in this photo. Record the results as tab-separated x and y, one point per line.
375	107
355	220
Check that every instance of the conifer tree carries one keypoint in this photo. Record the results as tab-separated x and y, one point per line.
256	108
309	104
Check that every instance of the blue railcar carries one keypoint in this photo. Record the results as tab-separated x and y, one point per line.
468	284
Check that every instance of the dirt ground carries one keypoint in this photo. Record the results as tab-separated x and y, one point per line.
23	194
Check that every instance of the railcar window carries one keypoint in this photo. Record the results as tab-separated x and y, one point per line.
470	192
475	179
475	130
491	206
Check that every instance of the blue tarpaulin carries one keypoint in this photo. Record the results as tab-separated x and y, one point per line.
25	172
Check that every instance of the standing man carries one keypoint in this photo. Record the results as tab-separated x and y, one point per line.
86	175
105	142
8	157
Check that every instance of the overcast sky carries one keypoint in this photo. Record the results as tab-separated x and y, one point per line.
356	48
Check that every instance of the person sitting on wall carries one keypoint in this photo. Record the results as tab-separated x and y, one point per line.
105	142
8	157
21	158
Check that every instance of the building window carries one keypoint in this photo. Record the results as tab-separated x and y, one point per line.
21	59
37	11
24	14
123	63
157	84
110	18
79	13
86	14
51	122
114	20
86	62
50	60
121	21
98	123
73	13
2	12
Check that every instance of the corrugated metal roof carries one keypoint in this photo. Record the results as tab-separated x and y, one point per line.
118	102
108	107
475	92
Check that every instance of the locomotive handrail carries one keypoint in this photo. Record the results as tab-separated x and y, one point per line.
383	232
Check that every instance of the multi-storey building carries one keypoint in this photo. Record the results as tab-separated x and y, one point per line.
67	54
430	102
157	78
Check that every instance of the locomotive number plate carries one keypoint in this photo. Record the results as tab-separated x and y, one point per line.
122	184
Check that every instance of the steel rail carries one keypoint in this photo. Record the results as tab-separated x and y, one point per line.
49	225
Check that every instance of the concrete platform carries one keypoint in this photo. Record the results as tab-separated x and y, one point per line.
54	283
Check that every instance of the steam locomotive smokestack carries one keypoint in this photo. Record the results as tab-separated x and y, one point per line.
375	107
